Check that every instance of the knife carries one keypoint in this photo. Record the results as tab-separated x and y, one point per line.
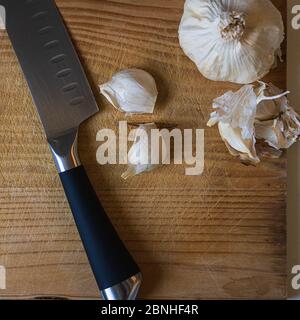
64	100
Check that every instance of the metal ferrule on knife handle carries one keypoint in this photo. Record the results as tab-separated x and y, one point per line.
65	151
64	100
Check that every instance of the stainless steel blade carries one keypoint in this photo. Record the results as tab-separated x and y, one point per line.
51	66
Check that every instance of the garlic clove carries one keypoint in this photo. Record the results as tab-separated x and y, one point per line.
271	132
230	40
268	108
139	155
237	145
235	115
280	133
131	91
276	123
237	109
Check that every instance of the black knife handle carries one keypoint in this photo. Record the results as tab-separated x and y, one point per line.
110	260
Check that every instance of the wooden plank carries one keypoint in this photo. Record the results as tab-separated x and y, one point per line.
219	235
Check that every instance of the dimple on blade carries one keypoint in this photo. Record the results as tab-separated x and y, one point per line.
55	76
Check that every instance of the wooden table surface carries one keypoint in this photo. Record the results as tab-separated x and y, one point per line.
219	235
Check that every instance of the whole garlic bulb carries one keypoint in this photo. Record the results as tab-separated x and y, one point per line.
131	91
231	40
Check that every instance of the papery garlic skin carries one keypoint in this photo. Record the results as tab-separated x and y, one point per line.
131	91
235	115
139	155
264	150
237	146
257	120
276	123
231	40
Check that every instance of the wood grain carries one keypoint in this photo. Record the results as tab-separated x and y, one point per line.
219	235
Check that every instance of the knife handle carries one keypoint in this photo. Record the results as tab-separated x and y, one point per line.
116	273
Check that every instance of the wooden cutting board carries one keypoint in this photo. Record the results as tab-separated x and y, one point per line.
219	235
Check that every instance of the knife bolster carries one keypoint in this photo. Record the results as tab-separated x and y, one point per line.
64	150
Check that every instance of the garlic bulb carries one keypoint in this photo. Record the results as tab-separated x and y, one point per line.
131	91
231	40
253	117
139	155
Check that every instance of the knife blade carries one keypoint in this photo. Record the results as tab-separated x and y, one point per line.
64	99
51	66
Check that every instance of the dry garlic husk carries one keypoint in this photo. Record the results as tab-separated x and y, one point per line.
276	123
254	113
230	40
265	151
235	115
139	155
131	91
